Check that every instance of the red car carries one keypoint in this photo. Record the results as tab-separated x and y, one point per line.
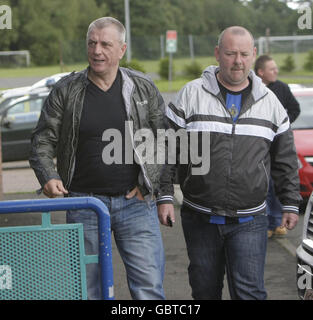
303	134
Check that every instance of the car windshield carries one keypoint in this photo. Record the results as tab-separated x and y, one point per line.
305	119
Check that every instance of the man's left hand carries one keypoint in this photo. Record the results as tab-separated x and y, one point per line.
289	220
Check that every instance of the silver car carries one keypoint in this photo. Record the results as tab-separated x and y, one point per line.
305	255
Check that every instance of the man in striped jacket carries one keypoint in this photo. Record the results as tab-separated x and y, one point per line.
223	213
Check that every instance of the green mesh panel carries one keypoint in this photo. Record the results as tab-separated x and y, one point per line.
44	263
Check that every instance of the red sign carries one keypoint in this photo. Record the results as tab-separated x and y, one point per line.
171	35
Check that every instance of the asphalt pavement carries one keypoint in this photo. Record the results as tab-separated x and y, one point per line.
19	182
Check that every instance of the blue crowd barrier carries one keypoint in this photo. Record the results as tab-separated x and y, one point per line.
74	203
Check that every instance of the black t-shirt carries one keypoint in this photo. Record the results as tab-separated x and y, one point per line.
102	110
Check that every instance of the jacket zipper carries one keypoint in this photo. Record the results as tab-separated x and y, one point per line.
143	169
149	185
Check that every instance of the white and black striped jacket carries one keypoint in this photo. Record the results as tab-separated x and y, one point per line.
243	154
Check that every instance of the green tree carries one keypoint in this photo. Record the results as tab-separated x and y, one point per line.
44	26
288	64
273	14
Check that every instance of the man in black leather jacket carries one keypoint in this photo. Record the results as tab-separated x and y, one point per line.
76	120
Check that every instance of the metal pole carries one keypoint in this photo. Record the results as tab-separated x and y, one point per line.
170	71
162	45
191	48
267	33
127	25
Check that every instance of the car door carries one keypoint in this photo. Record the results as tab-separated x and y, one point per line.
17	123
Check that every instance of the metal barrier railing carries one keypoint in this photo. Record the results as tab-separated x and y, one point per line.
32	232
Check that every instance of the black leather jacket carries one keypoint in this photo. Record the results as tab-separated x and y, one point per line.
58	127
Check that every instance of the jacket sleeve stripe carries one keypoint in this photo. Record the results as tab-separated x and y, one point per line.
284	127
211	126
292	209
175	110
177	119
257	131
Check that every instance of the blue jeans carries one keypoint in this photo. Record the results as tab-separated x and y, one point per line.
274	208
238	248
136	230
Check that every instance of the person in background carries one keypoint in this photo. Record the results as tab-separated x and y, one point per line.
266	68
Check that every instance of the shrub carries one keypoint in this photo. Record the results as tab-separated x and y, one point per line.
288	64
193	70
309	61
163	68
133	64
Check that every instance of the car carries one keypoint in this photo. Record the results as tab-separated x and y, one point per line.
18	120
50	81
305	255
303	135
19	112
6	96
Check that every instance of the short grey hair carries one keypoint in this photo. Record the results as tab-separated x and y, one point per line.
105	22
235	30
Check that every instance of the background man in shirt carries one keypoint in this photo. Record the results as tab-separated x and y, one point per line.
266	68
224	211
74	118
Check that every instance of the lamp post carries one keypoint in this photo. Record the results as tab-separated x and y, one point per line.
127	25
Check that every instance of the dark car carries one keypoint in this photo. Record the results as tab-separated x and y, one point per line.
18	119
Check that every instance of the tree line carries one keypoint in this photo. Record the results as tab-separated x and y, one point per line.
41	26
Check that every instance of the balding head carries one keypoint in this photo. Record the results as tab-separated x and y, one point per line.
234	31
235	54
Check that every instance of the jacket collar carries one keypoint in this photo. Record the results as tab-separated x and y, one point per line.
210	83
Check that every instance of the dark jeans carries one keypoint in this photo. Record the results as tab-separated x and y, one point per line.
240	248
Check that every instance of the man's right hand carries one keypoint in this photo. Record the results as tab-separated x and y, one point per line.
165	212
54	188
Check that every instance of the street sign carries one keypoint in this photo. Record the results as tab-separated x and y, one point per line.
171	41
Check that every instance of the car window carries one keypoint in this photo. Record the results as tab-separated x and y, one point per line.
35	105
18	108
5	103
25	111
305	119
26	106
